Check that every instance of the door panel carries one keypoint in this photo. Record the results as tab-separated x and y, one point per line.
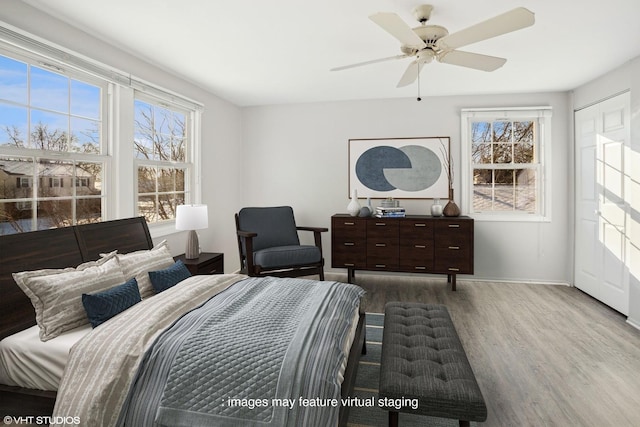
602	131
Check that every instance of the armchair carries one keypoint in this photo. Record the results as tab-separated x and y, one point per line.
268	244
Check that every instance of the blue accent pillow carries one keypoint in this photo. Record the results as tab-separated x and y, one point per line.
102	306
162	280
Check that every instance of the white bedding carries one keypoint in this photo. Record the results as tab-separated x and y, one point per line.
26	361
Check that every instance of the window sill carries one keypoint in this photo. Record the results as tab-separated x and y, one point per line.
163	229
499	217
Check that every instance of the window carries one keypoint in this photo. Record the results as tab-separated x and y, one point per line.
504	155
161	147
48	114
71	150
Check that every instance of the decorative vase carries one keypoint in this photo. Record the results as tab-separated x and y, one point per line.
354	207
369	206
451	209
436	208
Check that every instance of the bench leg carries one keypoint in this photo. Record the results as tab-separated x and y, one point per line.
364	340
464	423
393	419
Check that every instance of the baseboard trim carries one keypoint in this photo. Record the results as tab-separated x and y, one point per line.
461	277
633	323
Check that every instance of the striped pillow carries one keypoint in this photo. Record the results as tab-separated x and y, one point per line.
138	265
56	295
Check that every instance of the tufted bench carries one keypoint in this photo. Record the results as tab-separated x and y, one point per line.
423	362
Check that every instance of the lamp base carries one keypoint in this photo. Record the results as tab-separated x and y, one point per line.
192	250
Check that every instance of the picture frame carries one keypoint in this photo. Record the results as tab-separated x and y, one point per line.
402	168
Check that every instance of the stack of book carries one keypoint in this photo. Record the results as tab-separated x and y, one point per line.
390	212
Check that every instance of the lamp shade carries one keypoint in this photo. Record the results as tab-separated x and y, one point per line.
192	217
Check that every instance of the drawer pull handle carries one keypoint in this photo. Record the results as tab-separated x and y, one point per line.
381	245
454	225
420	225
349	264
453	269
349	244
420	246
380	224
454	247
349	223
420	268
381	265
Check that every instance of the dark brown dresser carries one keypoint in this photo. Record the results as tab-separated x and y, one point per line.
413	244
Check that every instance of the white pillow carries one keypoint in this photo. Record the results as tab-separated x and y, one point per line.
138	265
56	294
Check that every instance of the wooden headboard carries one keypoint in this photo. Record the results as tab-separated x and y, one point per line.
58	248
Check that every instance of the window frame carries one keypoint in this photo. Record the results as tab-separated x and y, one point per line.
190	165
36	155
542	116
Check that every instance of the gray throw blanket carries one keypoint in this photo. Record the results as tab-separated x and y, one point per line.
248	356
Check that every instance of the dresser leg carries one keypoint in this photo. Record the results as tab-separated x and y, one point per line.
351	275
453	282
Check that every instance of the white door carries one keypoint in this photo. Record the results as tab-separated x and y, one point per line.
602	132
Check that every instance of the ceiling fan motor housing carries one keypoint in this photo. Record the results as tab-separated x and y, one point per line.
428	34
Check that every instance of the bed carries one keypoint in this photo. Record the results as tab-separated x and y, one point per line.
197	303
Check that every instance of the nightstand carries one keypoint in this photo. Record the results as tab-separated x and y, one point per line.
206	263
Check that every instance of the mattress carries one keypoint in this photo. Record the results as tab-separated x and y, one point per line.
26	361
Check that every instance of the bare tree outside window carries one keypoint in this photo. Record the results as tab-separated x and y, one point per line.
160	147
505	174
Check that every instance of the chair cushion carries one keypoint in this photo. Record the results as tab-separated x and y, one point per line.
286	256
275	226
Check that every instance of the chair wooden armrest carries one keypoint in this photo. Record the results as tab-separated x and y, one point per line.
246	234
316	234
247	238
314	229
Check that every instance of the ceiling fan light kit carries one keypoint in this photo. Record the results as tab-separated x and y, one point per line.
425	42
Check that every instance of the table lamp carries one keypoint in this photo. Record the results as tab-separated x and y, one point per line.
192	218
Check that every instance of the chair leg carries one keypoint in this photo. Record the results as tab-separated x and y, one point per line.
321	274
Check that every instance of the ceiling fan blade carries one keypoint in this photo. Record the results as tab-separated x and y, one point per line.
373	61
472	60
394	25
513	20
410	74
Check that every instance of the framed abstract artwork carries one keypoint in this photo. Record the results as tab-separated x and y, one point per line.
402	168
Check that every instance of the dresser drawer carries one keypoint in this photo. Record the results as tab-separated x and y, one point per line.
453	260
348	242
453	233
348	253
349	228
382	254
382	244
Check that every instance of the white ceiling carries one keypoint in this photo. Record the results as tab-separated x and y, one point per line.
259	52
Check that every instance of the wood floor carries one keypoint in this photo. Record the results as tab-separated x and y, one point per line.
543	355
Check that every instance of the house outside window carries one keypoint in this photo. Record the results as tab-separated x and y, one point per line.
52	131
504	157
162	150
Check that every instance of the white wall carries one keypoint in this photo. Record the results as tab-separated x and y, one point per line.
626	77
221	124
297	155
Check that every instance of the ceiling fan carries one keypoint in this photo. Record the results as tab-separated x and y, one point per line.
428	42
